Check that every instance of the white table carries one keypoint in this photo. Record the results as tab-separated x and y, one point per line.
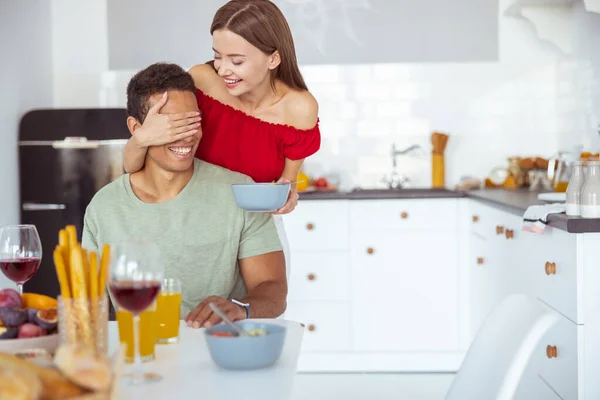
188	372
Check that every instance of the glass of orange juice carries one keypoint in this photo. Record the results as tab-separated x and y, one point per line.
147	332
168	305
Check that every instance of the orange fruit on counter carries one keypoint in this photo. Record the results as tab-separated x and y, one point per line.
38	301
303	182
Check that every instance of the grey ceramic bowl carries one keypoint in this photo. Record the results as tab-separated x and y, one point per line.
260	197
246	352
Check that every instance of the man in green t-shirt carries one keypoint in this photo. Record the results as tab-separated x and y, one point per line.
220	252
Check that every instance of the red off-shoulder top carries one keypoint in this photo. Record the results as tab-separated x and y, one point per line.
242	143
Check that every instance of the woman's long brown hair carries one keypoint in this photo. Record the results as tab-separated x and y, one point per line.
263	25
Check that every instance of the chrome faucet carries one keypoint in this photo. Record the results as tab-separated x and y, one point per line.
396	180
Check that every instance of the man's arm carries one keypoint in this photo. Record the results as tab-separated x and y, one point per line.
262	266
266	285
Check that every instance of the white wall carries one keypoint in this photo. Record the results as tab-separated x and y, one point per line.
25	83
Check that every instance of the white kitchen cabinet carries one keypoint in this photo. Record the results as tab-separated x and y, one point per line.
557	272
483	279
327	325
496	264
403	285
386	273
557	358
319	276
318	226
354	39
405	293
405	214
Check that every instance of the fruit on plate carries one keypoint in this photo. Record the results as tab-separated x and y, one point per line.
29	330
26	316
12	316
10	298
321	183
38	301
31	314
8	333
46	319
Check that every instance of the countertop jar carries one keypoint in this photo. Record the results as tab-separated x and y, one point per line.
590	193
573	204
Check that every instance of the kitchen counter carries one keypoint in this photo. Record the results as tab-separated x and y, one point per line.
514	201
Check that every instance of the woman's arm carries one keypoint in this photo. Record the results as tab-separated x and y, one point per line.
158	129
134	156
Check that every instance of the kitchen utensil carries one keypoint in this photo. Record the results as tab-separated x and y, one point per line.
136	275
590	192
552	197
560	168
573	203
245	352
260	197
20	253
288	183
438	143
229	322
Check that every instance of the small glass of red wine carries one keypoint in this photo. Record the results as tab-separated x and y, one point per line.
136	276
20	253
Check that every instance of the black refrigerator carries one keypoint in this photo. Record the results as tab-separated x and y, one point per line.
65	157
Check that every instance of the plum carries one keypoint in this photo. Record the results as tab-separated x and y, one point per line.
8	333
12	316
10	298
46	319
31	314
29	330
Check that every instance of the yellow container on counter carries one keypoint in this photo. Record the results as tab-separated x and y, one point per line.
438	174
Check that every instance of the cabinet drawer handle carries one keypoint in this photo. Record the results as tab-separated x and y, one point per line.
311	328
404	215
475	218
480	260
310	226
551	351
550	268
370	250
499	230
311	277
510	234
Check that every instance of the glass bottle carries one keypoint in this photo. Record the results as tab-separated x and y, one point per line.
574	189
590	193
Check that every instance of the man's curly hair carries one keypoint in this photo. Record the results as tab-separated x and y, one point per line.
155	79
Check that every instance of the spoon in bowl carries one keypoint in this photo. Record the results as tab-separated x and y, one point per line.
285	183
221	314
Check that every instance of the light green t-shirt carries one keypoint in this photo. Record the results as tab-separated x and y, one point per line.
201	232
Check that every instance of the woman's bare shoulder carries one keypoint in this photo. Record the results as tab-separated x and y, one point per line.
204	77
301	109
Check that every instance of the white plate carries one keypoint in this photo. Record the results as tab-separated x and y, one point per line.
48	343
552	196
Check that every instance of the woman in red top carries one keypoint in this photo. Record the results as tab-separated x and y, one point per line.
258	117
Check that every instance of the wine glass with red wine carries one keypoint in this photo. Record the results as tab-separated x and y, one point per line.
20	253
136	275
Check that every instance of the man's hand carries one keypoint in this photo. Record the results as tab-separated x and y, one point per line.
202	315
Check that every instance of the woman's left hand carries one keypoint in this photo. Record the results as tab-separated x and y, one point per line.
291	202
